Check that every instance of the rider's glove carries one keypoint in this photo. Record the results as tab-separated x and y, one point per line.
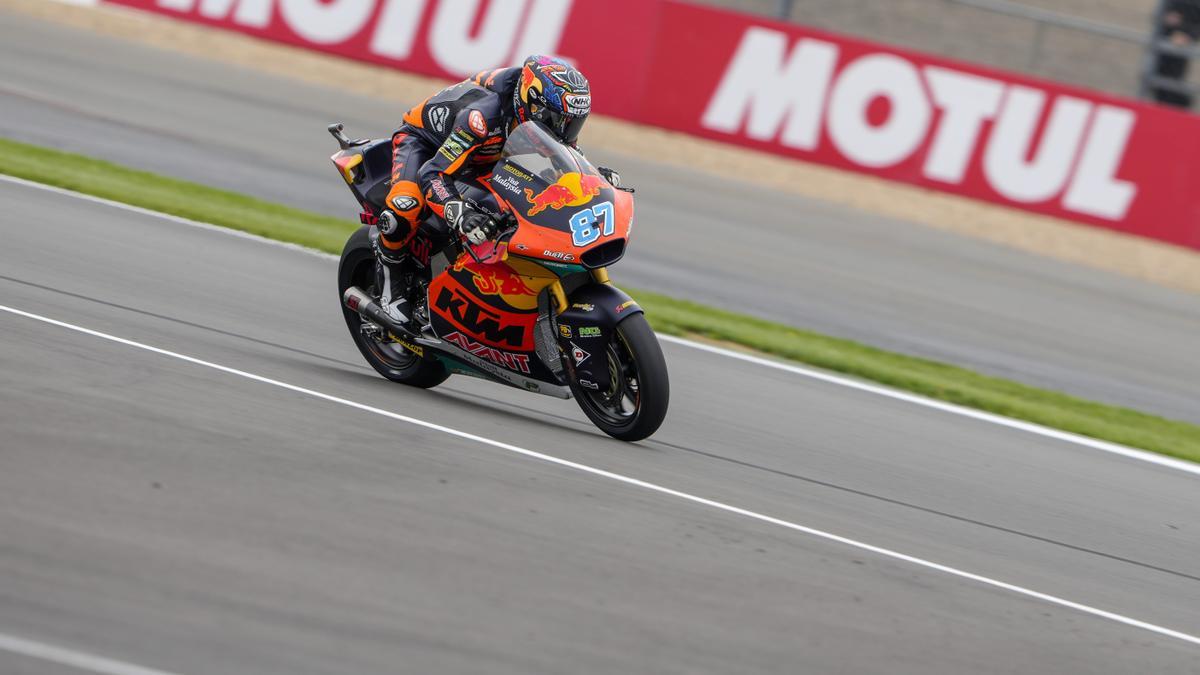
476	226
613	178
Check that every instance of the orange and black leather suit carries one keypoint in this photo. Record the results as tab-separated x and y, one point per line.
458	131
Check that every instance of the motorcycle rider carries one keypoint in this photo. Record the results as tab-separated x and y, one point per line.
460	131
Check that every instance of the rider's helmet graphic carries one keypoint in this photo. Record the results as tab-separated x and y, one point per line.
554	93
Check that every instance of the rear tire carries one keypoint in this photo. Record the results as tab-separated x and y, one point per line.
636	402
389	359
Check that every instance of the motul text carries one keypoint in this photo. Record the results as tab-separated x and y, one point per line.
459	36
791	93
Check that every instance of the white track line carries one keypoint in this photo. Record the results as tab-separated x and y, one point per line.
1029	427
72	658
627	480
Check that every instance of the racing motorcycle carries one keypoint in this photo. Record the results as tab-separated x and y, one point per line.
534	307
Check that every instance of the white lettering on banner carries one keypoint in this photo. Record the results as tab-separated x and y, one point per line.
253	13
765	88
967	101
798	87
544	24
509	29
397	28
326	22
1004	160
451	43
863	81
499	42
1096	190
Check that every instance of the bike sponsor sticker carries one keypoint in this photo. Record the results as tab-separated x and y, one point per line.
559	255
571	189
565	330
589	331
587	307
507	183
518	362
513	280
578	354
416	349
484	324
588	384
626	305
517	172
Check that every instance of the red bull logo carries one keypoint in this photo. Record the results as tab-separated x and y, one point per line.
517	282
572	189
491	281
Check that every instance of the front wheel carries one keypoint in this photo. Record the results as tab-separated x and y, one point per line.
635	402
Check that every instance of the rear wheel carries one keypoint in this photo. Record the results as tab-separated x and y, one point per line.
635	402
388	358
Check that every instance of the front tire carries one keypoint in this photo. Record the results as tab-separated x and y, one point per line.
389	359
635	403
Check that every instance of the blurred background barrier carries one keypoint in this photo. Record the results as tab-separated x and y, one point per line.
1138	48
792	90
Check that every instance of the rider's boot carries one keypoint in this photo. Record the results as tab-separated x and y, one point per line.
393	280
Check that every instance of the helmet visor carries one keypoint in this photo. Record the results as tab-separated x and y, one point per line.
566	127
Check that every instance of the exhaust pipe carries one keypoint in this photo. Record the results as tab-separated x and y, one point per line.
357	301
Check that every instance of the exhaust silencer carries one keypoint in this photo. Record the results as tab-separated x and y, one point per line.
357	301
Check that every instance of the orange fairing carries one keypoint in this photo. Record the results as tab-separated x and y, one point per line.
624	206
532	241
494	303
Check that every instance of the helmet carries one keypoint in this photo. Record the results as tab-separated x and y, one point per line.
554	93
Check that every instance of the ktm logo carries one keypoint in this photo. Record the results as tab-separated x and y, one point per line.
478	320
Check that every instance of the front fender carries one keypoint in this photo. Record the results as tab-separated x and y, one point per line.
586	328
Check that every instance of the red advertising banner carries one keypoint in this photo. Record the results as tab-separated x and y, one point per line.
919	119
788	90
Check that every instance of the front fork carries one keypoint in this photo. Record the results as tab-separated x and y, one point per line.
599	275
587	323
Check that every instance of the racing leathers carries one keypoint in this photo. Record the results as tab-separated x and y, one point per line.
457	131
460	132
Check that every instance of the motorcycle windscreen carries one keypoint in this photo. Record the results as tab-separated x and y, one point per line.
562	202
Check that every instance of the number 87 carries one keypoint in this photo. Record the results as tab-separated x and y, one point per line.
584	228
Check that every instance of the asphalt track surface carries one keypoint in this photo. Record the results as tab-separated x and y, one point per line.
170	515
166	514
887	283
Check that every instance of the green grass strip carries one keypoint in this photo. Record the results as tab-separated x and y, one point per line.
177	197
666	314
